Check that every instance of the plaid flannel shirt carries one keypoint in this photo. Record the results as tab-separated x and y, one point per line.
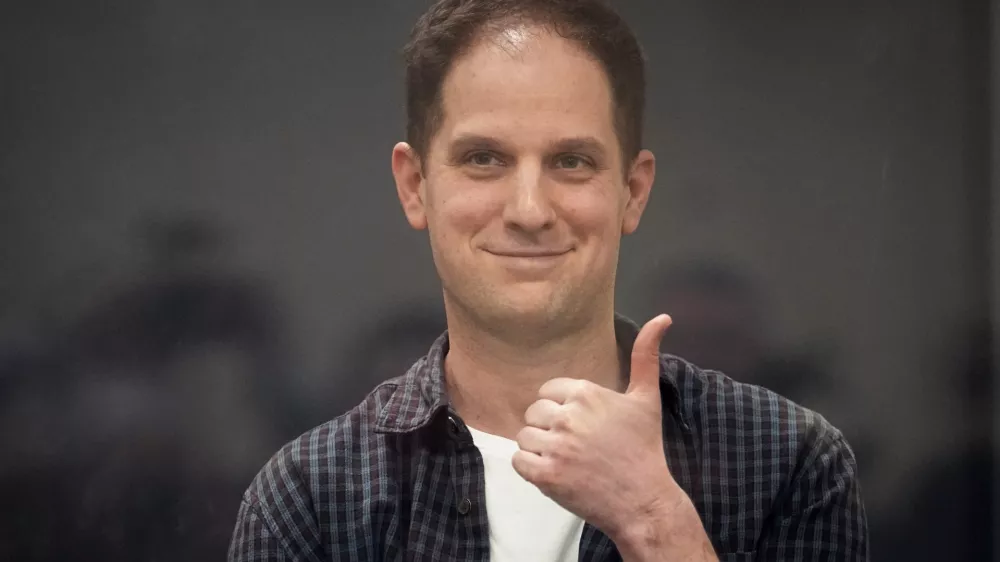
399	478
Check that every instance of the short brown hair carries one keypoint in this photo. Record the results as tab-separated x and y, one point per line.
450	27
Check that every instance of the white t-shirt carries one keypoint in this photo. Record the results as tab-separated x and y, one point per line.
524	523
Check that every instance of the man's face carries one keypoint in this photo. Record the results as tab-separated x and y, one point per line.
523	190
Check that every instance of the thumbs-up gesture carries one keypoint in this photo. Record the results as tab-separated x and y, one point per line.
599	453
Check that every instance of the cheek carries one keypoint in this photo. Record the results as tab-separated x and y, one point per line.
457	208
594	213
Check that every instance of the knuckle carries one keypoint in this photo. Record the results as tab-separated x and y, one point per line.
521	437
529	414
546	474
584	391
547	387
567	450
563	420
520	463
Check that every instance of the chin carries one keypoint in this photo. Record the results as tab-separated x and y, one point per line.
527	310
517	306
528	299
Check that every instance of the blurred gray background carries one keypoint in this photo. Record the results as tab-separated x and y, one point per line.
203	256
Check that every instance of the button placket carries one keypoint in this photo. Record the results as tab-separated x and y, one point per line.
457	432
467	484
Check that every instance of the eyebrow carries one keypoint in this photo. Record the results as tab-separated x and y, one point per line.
587	145
466	143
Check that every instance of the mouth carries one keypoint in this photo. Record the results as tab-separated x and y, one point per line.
528	253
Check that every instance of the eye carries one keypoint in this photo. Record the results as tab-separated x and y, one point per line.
572	162
483	159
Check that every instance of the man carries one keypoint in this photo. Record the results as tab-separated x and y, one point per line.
541	426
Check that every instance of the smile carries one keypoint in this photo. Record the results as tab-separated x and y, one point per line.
528	253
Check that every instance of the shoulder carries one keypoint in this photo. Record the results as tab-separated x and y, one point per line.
305	470
792	476
733	414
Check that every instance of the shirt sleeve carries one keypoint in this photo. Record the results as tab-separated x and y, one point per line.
822	517
253	540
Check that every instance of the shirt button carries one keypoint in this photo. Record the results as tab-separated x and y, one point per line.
464	506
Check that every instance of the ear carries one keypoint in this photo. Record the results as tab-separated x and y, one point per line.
406	169
640	182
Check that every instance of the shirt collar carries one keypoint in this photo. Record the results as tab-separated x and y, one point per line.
421	394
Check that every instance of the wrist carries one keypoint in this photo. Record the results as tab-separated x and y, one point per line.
668	527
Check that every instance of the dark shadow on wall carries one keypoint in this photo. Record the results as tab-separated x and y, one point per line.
722	321
142	424
947	512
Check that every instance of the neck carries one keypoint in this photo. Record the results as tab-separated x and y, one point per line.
492	379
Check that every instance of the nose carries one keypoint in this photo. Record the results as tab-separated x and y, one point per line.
529	209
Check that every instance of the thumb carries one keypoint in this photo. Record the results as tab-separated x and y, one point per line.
645	372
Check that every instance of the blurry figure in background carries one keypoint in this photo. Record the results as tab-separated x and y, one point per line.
387	350
176	396
722	322
948	513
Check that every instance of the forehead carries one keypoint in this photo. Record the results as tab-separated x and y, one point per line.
527	84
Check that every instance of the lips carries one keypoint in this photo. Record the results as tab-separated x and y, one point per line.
533	253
